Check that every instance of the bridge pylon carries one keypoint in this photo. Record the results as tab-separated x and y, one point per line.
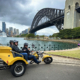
72	14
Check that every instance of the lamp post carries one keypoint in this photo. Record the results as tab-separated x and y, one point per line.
72	37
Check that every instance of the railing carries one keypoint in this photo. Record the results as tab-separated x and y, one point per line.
36	47
53	47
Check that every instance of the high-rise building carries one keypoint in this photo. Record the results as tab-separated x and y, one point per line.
7	31
0	31
11	31
28	30
35	33
4	27
25	31
17	31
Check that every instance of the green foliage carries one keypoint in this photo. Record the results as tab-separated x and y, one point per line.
42	36
68	33
27	35
17	36
30	36
55	35
50	36
23	35
37	36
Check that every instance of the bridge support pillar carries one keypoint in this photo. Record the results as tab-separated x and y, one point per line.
72	17
59	27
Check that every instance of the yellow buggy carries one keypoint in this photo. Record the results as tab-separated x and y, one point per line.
17	65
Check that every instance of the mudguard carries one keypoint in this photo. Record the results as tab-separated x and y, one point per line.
46	56
13	60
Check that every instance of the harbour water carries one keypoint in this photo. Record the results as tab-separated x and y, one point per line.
39	45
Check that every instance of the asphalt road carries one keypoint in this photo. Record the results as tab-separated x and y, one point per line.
45	72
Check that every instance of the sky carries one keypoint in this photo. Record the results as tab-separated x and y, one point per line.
20	13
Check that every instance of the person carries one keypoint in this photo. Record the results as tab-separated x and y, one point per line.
78	44
11	43
29	55
16	49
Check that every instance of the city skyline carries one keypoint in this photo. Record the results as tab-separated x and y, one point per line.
24	31
14	26
9	31
13	31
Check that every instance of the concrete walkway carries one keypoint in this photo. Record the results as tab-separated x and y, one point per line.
45	72
65	61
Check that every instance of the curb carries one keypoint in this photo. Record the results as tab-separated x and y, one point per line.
63	56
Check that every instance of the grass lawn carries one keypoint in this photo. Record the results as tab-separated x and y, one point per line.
74	53
76	39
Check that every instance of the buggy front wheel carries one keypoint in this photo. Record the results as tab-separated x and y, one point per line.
48	60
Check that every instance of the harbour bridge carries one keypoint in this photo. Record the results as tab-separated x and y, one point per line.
49	17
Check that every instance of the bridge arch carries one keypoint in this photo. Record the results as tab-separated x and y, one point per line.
50	13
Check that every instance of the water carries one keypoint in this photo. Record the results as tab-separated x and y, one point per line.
39	45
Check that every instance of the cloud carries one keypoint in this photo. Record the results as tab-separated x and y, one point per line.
22	12
12	11
48	31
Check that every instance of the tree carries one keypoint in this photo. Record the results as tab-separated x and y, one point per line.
37	36
42	36
30	36
68	33
50	36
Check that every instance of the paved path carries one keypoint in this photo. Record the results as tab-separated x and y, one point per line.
65	61
60	69
45	72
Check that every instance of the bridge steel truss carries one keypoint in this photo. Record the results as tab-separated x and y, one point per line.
55	16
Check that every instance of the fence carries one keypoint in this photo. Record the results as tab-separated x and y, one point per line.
48	47
52	47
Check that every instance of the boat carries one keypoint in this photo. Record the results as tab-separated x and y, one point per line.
3	34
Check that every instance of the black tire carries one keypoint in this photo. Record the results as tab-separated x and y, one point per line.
48	60
18	69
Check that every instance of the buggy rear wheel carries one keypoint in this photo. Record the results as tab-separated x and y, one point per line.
18	69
